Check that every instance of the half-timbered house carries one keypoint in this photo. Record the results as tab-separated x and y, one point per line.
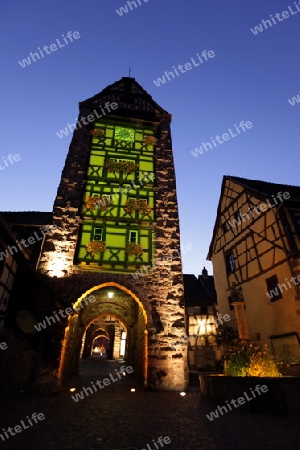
255	251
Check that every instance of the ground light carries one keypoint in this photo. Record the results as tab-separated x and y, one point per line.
132	390
182	394
72	389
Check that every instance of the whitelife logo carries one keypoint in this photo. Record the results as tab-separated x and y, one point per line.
90	118
160	441
11	158
12	249
64	313
225	136
106	381
241	400
268	23
188	66
53	48
294	100
261	208
275	292
18	428
145	270
124	9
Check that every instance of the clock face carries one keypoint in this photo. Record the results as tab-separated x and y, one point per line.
124	134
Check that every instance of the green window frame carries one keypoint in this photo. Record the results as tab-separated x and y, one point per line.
133	236
98	234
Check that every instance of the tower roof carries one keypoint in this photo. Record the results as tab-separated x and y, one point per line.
129	95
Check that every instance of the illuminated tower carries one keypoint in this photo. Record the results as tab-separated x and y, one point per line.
117	235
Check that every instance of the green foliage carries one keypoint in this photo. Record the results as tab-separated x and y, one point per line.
249	358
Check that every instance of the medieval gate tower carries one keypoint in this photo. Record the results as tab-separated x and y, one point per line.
115	250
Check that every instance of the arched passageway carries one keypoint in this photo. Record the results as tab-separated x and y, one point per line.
105	337
113	313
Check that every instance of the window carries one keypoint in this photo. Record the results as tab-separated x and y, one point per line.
133	237
224	227
98	233
230	264
297	220
274	293
125	160
238	216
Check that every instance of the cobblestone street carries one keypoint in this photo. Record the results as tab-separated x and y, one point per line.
115	418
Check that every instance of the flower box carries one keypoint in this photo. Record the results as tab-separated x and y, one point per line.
112	165
150	140
282	397
135	204
95	247
98	202
135	250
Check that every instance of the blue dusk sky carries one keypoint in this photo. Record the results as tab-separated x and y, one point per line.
250	78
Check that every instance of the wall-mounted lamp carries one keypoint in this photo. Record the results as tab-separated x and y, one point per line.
110	294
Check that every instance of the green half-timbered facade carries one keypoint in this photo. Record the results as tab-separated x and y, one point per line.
118	207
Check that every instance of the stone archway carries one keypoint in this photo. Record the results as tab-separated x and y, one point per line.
93	339
109	299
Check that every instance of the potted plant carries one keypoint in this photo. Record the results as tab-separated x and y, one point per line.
98	133
112	165
134	249
99	202
95	247
150	140
136	204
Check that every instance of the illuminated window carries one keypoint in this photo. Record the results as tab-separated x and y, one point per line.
123	344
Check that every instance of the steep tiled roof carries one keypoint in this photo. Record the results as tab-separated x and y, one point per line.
199	291
261	189
264	187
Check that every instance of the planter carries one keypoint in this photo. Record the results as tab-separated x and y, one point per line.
101	202
150	140
134	250
282	397
135	204
95	247
127	167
